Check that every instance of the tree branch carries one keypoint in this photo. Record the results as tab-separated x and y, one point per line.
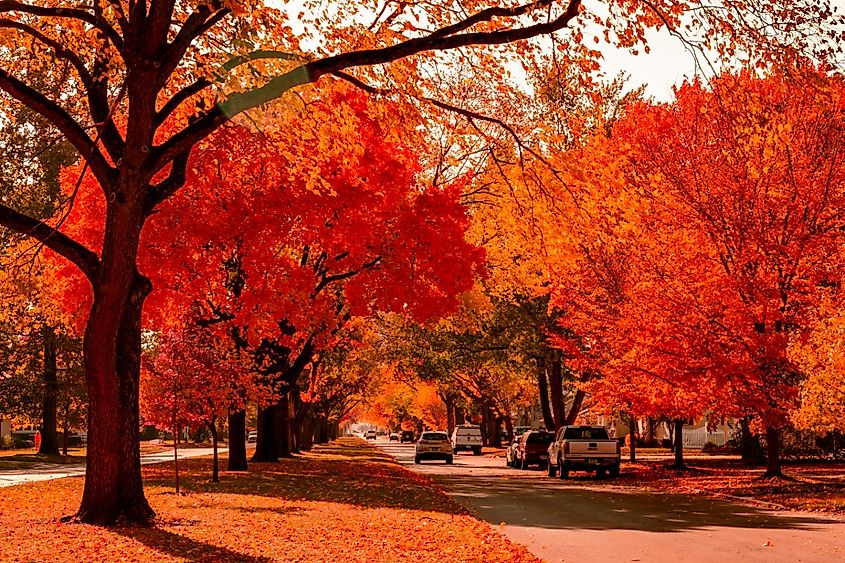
96	89
85	259
65	13
203	18
57	116
202	83
344	275
169	185
314	70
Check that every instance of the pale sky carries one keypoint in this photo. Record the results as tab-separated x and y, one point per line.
665	66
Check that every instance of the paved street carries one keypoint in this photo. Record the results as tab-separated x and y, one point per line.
47	471
585	520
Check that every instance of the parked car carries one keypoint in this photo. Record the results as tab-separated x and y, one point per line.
510	453
584	448
252	437
433	445
532	449
370	434
394	437
467	437
407	436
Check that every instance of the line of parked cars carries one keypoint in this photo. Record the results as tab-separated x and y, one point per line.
572	448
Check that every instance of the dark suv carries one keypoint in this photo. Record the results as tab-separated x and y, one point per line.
533	449
406	436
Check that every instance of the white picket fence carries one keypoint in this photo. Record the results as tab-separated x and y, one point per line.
695	438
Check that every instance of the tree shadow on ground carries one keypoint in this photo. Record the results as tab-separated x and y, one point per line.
547	503
183	547
343	472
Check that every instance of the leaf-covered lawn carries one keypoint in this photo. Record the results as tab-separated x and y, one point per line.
816	486
344	502
29	457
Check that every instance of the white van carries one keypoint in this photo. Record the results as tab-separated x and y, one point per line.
467	437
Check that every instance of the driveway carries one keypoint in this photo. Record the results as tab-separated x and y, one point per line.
47	471
585	520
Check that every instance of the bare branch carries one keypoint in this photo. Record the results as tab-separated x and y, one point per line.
57	116
85	259
313	71
95	88
65	13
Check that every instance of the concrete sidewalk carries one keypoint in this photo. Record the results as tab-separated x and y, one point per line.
47	471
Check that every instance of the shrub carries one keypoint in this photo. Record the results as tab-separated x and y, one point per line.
800	444
709	447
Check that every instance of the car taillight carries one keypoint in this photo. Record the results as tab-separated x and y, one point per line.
566	447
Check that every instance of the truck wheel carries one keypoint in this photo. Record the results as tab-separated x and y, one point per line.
449	460
614	470
552	471
417	460
601	473
476	451
564	470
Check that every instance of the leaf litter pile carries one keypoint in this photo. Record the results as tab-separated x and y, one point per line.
342	502
813	486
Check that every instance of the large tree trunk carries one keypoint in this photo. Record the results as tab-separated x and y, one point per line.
494	438
752	452
556	389
282	427
773	468
265	445
49	437
575	409
508	426
237	441
322	434
543	388
679	443
460	416
112	356
295	407
306	430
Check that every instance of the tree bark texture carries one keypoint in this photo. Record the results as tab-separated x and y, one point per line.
543	388
237	441
575	408
555	370
773	467
49	436
112	354
679	443
265	445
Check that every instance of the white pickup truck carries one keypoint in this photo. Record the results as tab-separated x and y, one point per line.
467	437
584	448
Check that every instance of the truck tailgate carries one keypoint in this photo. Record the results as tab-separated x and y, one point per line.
592	448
